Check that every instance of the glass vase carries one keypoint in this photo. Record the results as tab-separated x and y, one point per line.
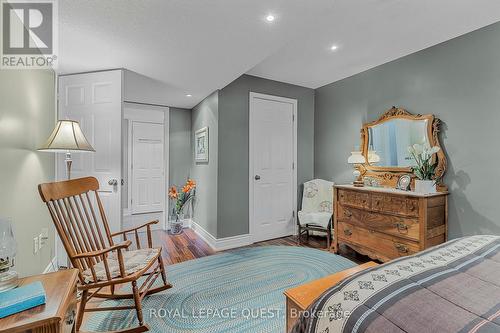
176	223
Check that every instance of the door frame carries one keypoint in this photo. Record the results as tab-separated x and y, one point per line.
143	115
251	106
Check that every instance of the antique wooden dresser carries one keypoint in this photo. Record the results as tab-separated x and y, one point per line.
386	223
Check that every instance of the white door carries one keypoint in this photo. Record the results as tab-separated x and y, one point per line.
148	194
95	101
273	179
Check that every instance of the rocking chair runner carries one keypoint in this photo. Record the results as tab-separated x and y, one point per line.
90	247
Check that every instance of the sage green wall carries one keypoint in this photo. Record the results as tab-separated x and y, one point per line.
459	82
27	117
180	153
233	190
204	114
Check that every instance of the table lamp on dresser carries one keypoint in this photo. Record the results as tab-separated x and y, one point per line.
357	159
67	137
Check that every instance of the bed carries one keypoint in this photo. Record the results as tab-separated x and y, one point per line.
454	287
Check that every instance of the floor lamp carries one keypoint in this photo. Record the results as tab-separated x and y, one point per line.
67	137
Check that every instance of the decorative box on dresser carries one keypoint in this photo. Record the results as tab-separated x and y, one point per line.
385	223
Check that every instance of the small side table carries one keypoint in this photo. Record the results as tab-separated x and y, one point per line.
57	315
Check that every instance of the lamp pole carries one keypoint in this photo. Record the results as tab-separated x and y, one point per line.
69	162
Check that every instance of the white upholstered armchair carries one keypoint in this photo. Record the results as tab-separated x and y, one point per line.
317	209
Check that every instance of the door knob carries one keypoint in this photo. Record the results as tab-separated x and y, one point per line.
113	182
257	177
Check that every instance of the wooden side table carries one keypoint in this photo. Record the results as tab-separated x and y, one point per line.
298	299
57	315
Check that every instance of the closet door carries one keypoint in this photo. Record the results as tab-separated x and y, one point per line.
95	101
148	189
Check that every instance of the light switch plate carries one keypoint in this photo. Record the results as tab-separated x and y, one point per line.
43	238
35	245
40	241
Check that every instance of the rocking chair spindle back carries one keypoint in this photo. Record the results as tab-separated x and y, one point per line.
80	221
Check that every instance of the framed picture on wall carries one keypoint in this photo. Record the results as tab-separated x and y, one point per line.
201	145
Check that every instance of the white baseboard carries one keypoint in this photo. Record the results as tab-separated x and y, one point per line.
220	244
51	267
227	243
187	223
205	235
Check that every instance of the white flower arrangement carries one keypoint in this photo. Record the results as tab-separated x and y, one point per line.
426	166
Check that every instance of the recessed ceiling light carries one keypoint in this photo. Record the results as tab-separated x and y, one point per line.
189	95
270	18
334	47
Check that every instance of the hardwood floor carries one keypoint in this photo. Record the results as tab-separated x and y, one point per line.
178	248
188	245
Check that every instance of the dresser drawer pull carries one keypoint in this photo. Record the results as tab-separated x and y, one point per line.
401	248
347	213
347	232
401	226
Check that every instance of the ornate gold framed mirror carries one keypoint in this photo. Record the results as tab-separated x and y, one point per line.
385	143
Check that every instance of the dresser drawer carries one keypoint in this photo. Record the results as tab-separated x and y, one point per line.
395	225
387	246
355	199
412	207
394	205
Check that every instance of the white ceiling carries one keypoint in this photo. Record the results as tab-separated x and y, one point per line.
197	46
370	33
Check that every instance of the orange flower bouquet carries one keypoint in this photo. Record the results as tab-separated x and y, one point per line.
181	196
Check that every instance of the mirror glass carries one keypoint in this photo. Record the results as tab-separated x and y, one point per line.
389	142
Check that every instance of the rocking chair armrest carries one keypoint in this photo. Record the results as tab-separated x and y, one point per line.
134	229
137	238
121	245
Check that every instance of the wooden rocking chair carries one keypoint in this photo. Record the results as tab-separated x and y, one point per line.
101	262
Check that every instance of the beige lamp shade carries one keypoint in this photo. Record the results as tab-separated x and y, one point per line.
356	158
67	136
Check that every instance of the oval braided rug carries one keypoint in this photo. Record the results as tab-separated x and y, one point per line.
236	291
